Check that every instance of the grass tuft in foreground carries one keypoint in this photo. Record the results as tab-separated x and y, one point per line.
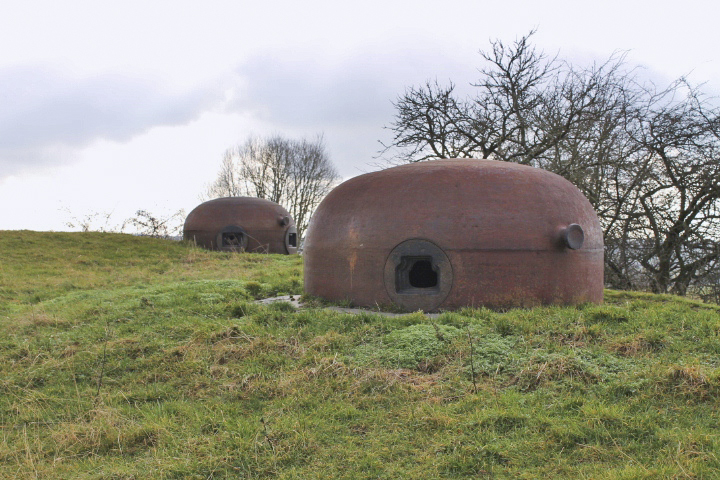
129	357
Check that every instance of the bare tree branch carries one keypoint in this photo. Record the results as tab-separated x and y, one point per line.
296	174
646	158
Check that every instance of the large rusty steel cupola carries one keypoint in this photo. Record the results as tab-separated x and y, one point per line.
242	224
445	234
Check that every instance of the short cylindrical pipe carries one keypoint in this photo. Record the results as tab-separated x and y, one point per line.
573	236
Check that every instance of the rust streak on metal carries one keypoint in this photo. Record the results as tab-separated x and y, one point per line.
353	262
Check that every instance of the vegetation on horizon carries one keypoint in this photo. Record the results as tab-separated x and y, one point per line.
134	357
645	156
296	174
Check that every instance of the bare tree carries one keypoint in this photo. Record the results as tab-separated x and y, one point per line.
311	177
526	105
228	182
646	159
296	174
678	201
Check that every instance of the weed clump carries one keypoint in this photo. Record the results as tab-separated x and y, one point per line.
242	309
416	346
542	369
494	353
254	289
606	314
692	382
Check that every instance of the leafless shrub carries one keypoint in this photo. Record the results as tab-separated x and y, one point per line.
296	174
93	222
152	225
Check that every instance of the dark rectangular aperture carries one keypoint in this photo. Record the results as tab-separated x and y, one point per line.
232	239
416	274
421	275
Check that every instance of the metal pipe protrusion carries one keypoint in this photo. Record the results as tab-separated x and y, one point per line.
573	236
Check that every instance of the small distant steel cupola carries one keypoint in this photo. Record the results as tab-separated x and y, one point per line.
242	224
446	234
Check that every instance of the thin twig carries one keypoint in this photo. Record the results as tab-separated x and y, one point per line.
472	361
265	432
102	362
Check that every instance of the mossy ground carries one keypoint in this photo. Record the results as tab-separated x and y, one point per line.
128	357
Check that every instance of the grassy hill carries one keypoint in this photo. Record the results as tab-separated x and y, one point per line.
130	357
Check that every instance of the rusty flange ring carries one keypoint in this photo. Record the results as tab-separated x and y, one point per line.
291	239
418	275
232	238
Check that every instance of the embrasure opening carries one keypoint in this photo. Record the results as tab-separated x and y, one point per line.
415	274
422	275
291	239
232	239
418	275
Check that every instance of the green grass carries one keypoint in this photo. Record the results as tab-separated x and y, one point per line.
128	357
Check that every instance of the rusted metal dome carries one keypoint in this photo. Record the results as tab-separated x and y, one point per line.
242	224
451	233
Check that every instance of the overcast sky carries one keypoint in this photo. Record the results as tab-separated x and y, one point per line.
111	107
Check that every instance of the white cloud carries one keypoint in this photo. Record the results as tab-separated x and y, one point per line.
46	113
307	90
126	105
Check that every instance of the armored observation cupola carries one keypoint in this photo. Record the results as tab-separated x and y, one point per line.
447	234
242	224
